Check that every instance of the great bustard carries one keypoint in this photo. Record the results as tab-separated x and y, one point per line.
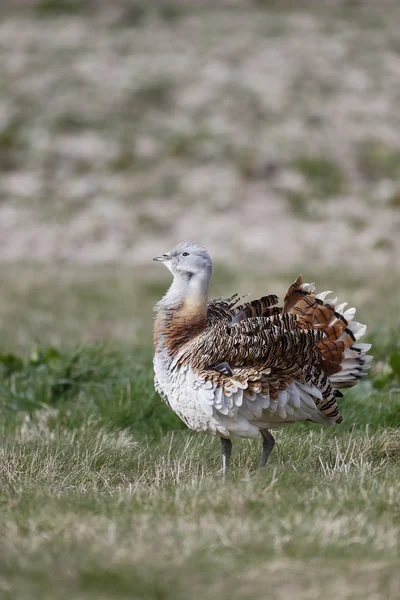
239	371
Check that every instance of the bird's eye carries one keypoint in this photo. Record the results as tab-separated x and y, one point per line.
185	253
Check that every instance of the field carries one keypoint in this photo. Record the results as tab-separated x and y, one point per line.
103	494
269	134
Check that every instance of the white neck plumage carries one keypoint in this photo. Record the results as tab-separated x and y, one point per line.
186	288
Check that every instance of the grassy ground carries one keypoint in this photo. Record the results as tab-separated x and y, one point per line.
104	494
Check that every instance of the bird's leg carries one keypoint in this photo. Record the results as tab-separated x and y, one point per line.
226	449
268	444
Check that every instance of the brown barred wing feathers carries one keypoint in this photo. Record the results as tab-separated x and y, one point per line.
263	307
264	349
225	309
258	341
264	355
221	309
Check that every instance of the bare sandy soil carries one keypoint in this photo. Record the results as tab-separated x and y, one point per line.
268	134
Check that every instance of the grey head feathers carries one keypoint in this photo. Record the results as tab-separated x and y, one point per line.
187	257
191	266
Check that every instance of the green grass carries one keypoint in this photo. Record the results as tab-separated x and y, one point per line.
61	305
323	175
104	493
134	14
104	387
104	514
45	8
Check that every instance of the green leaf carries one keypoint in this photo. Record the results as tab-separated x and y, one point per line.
394	362
11	363
52	357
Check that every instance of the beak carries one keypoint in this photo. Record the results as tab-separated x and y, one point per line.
162	258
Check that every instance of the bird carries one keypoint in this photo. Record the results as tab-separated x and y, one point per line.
239	370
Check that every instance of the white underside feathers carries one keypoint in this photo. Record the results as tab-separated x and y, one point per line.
295	403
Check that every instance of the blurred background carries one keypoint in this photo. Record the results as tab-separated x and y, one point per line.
266	130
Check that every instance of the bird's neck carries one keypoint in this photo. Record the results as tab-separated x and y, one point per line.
182	312
186	288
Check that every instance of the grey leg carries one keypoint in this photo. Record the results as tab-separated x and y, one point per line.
268	444
226	449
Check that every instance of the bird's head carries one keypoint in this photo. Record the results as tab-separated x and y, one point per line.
187	259
191	266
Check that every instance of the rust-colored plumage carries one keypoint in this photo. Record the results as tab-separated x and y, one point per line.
179	327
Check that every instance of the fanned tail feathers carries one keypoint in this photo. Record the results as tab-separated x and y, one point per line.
343	360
